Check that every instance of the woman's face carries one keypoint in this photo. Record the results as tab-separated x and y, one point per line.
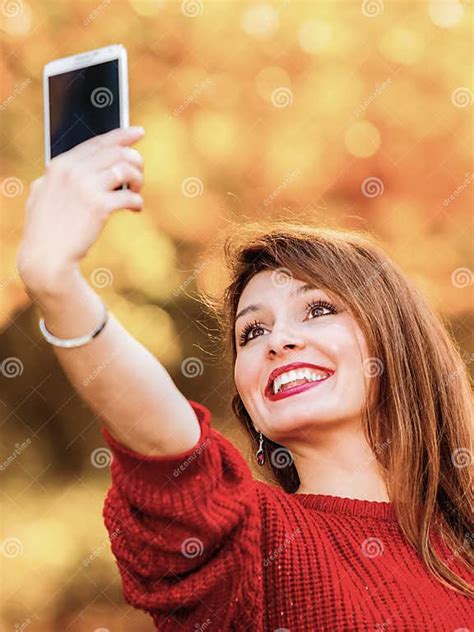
289	331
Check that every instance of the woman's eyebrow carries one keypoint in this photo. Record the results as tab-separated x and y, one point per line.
253	308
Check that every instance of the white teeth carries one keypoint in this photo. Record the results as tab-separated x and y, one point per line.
311	375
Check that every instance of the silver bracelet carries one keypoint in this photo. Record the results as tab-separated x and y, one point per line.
69	343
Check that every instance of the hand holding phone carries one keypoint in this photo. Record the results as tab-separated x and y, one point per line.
68	206
88	159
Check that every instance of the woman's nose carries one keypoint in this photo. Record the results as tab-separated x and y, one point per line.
284	339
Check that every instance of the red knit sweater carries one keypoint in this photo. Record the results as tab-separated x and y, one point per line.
203	546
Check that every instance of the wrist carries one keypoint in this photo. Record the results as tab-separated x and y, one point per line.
53	281
68	305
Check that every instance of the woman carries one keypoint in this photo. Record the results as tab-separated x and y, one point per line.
356	397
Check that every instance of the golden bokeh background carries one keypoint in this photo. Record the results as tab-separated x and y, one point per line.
353	114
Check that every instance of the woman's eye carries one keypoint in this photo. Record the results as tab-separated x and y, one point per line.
320	309
252	333
249	329
321	306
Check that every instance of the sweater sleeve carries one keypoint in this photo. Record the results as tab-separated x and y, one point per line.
185	532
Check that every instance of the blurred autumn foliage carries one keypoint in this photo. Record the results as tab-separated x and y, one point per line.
353	114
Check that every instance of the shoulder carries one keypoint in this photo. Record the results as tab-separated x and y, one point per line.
273	498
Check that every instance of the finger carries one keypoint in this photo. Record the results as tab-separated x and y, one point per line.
121	173
34	186
117	136
33	192
112	155
122	199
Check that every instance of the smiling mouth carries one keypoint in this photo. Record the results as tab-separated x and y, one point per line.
297	386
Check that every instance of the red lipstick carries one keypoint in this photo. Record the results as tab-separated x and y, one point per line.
295	389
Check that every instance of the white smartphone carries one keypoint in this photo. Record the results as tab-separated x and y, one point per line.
84	95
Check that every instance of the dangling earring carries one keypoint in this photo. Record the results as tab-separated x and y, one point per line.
260	453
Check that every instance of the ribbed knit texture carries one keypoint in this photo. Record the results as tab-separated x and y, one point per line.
203	546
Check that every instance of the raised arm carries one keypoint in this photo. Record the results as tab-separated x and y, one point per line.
122	382
182	511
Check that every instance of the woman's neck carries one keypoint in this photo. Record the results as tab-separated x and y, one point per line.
346	468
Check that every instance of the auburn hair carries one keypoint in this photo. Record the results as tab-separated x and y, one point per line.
418	412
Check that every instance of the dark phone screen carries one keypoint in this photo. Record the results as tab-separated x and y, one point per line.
82	104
